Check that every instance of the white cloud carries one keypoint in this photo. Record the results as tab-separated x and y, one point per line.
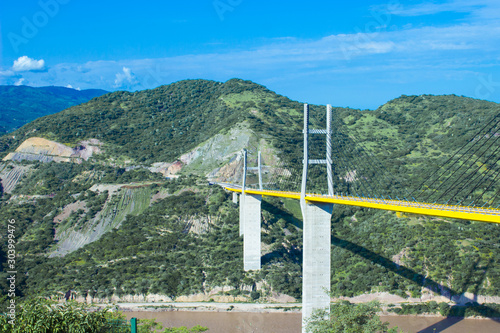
19	82
7	73
477	8
432	8
402	55
25	64
382	50
126	78
69	86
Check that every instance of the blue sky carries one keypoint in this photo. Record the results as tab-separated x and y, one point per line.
359	54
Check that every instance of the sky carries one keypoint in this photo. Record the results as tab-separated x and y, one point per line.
357	54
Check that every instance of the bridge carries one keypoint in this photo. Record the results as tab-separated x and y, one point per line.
431	209
478	181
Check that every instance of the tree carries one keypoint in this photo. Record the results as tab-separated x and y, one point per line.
44	316
345	317
40	315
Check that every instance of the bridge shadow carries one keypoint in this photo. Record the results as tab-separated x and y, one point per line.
456	314
294	252
280	213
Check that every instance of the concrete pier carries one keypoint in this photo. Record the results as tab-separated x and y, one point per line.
235	197
317	233
316	258
242	198
251	234
242	214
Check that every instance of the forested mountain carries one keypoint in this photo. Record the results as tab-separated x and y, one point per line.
109	224
161	124
21	104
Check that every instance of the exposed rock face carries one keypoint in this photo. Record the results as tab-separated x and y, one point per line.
198	225
221	159
174	168
169	170
218	150
72	207
386	298
44	147
87	148
207	297
11	174
126	201
230	172
18	157
43	150
160	167
111	188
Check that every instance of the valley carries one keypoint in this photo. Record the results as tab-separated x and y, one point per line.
113	201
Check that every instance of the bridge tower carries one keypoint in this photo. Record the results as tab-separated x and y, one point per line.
316	229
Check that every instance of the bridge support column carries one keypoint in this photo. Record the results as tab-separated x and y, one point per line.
251	234
242	214
242	198
316	258
317	233
235	197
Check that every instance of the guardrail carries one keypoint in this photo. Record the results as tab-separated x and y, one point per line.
122	325
461	212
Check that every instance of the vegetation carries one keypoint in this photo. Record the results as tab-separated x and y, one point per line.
345	317
444	309
45	316
447	257
21	104
156	250
150	325
39	315
148	126
153	254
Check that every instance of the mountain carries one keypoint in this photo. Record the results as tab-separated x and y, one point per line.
21	104
156	125
95	213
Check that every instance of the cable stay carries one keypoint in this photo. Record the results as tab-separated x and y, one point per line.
465	186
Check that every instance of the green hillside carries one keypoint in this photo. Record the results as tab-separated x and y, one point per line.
177	237
160	124
21	104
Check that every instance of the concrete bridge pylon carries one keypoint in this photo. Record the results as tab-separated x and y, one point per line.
317	217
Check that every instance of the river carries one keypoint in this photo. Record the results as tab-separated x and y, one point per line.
248	322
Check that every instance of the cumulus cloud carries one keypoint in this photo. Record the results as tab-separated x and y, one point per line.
69	86
278	59
19	82
26	64
7	73
374	53
125	78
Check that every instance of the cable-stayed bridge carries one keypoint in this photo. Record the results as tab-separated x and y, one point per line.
440	210
465	185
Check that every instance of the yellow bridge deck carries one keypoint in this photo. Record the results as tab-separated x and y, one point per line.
451	211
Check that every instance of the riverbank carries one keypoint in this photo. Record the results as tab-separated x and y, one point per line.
229	321
285	317
253	308
219	295
211	307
